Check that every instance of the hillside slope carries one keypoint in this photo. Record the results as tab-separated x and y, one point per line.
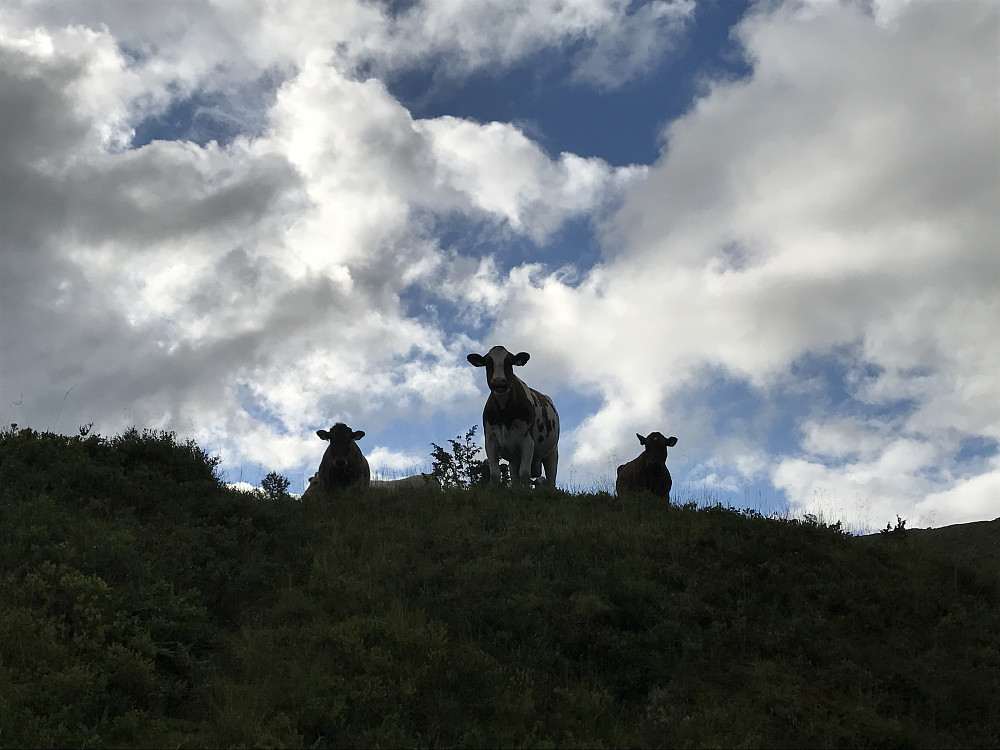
145	604
973	545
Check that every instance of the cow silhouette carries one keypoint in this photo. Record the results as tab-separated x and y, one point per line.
520	424
343	464
649	471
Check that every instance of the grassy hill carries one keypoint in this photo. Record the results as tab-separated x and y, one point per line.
964	545
143	603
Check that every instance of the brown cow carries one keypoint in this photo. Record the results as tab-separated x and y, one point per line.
343	464
649	471
520	424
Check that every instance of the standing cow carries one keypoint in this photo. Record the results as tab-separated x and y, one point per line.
343	464
649	471
520	424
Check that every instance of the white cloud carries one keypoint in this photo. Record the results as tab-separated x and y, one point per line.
614	43
974	498
844	437
900	480
216	42
828	200
386	463
632	44
497	169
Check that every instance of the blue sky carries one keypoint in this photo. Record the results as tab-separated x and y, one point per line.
621	125
700	217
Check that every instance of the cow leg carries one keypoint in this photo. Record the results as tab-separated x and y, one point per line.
515	470
522	471
493	454
494	468
551	463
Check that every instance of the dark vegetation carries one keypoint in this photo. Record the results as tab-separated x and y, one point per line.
462	466
144	603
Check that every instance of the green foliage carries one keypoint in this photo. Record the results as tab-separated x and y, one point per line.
143	603
462	467
275	486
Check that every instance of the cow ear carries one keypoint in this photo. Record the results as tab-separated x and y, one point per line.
642	440
358	434
477	359
671	441
521	358
323	434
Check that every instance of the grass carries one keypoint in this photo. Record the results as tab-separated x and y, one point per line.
144	603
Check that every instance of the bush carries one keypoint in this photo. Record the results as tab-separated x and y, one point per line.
275	486
461	468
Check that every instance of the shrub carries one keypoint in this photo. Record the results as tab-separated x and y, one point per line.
275	486
460	468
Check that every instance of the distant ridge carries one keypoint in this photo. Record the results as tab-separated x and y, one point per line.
975	544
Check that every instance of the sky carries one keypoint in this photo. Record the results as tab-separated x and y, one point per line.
768	228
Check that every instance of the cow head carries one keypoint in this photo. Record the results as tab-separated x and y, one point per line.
656	444
341	439
499	364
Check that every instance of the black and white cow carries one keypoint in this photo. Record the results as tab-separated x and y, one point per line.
343	464
519	423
